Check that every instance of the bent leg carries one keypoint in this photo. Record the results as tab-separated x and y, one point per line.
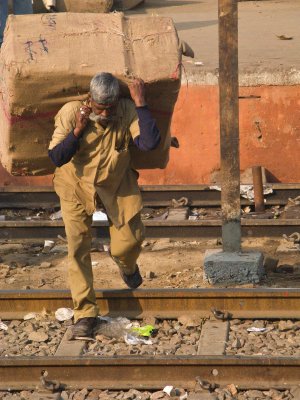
126	244
78	231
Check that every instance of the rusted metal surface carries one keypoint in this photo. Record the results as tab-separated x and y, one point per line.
153	196
165	303
154	229
229	125
258	189
150	373
19	373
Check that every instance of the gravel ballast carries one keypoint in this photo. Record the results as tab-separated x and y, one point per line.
264	338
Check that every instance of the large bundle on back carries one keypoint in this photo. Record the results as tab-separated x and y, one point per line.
49	59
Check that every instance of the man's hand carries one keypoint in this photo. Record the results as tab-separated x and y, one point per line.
82	119
137	92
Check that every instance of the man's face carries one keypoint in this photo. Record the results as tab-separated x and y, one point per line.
103	113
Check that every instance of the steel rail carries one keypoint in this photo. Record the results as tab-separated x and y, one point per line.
153	195
19	373
149	373
154	228
162	303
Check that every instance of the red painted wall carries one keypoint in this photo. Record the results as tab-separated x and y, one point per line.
269	136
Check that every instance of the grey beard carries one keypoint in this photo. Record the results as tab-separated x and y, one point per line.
98	118
95	118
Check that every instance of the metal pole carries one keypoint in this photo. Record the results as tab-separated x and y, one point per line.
258	189
229	125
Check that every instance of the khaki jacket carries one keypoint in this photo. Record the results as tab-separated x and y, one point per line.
102	165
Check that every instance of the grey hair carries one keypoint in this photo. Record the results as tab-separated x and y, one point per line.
104	88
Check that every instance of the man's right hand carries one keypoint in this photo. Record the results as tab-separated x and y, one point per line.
82	119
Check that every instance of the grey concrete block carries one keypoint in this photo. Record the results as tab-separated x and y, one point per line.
232	268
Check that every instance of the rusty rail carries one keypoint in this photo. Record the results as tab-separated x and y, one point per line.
19	373
150	373
162	303
153	195
154	229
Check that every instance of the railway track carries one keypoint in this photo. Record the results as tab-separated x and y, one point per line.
74	371
153	195
156	197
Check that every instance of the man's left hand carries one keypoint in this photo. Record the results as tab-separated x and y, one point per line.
137	92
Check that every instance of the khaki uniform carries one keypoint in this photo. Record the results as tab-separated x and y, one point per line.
99	171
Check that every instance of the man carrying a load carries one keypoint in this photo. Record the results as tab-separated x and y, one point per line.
90	147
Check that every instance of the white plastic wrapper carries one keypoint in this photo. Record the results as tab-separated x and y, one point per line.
247	191
168	389
64	314
254	329
3	326
133	340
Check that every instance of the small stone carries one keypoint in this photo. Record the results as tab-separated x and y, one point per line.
94	395
295	391
28	328
232	389
130	395
157	395
38	336
81	395
275	394
284	326
149	320
25	395
150	275
190	321
15	323
45	264
64	396
254	394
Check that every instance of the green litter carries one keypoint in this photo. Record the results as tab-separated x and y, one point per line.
146	331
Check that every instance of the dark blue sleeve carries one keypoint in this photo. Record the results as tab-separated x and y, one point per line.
63	152
149	136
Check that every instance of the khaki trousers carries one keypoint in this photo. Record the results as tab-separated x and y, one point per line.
125	249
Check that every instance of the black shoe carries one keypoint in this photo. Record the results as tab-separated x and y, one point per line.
84	327
134	280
